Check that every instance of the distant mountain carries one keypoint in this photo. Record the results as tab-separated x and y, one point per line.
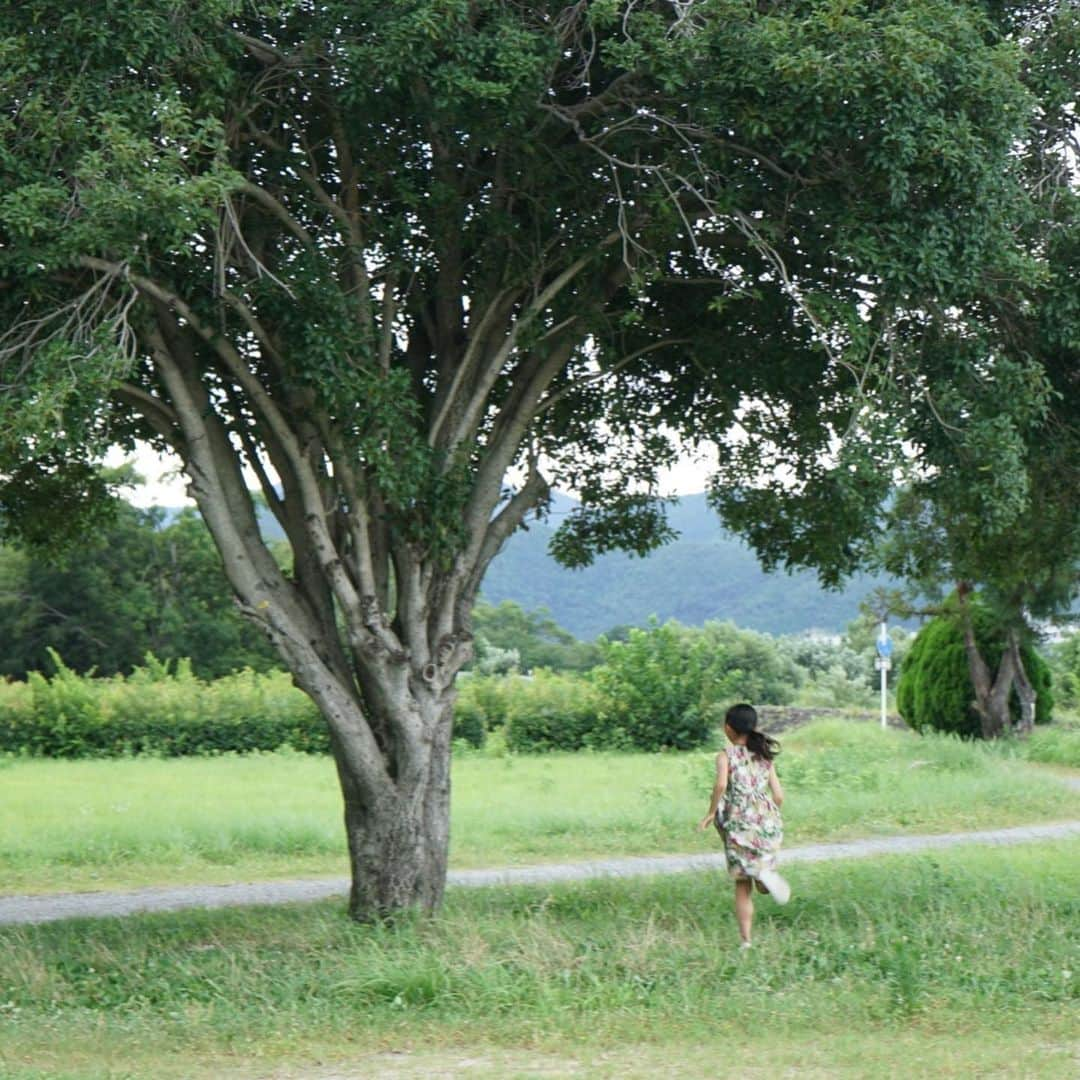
705	574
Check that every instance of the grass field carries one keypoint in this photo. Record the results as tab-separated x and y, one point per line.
955	967
100	824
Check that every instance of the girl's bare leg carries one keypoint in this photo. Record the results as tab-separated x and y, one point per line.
744	907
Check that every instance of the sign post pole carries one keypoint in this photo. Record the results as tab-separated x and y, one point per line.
883	662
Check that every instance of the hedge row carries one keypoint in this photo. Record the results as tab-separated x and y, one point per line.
158	711
537	713
659	689
170	713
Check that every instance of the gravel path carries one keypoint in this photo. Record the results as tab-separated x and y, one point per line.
38	909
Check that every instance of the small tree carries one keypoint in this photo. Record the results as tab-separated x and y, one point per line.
658	686
935	690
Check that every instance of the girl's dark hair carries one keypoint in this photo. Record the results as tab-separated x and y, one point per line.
742	719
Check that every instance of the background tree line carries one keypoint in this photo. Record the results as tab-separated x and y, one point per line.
136	583
149	581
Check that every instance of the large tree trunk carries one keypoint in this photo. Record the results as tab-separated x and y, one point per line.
992	691
392	753
1025	691
398	840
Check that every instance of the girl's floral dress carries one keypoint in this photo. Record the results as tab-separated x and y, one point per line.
748	818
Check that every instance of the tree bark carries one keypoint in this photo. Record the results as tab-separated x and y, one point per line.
997	718
397	832
991	700
1025	691
398	844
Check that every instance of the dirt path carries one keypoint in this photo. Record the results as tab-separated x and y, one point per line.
38	909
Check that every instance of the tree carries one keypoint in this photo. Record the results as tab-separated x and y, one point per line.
935	691
411	263
133	585
973	486
993	511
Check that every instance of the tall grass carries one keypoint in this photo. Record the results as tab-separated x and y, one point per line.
983	947
145	821
1058	744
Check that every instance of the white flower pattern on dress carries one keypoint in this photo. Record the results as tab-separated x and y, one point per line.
750	820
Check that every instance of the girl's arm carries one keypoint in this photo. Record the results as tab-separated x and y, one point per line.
717	792
774	785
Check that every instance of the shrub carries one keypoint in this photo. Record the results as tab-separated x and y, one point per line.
752	666
485	697
934	690
157	710
16	705
1064	658
834	688
470	714
548	711
815	655
657	687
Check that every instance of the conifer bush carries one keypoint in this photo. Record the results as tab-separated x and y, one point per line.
934	690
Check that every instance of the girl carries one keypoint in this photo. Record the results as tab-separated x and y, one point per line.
745	808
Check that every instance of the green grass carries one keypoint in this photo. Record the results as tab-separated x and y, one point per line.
98	824
960	966
1056	744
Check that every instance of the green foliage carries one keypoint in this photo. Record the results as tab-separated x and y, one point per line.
158	710
657	686
834	687
935	691
990	494
550	711
496	145
30	490
470	715
133	584
534	636
484	697
747	665
1064	660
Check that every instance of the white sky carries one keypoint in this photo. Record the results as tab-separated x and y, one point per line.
165	482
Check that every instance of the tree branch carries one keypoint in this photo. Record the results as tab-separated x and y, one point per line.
609	371
278	210
158	414
476	404
364	622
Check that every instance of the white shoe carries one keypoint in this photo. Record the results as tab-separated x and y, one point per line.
778	888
